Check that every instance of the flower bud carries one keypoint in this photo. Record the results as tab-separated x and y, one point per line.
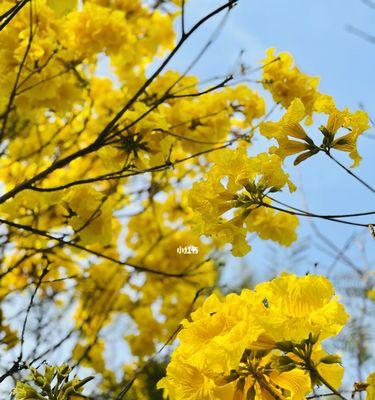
331	359
286	346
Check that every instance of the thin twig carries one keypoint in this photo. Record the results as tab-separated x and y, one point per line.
350	172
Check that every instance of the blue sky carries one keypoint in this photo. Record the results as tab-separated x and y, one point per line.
313	31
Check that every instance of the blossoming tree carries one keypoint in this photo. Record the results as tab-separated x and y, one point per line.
104	179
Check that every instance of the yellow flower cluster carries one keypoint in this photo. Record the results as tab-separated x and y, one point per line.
154	238
260	344
214	116
90	215
47	79
351	124
289	128
58	106
286	82
55	104
232	200
298	93
62	52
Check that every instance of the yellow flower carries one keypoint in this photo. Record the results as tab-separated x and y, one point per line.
353	123
185	382
371	294
332	373
94	29
286	82
246	101
299	306
296	382
231	201
370	389
288	127
90	215
233	345
215	341
269	384
271	225
62	8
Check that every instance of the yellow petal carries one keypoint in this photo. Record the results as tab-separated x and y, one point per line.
332	373
296	381
62	7
296	112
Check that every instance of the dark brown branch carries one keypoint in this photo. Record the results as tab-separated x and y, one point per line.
18	76
306	214
79	247
118	175
359	179
10	14
323	216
